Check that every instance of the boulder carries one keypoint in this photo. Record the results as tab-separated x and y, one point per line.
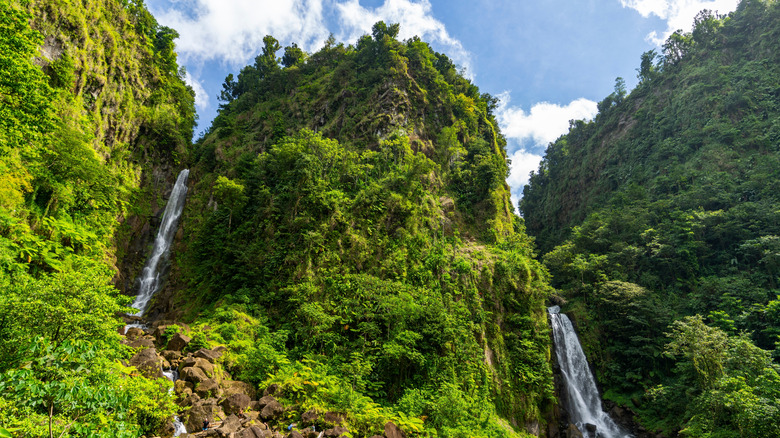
171	355
333	418
134	333
208	388
147	362
294	434
336	432
573	432
235	403
393	431
140	343
192	374
209	355
230	387
178	342
200	411
188	400
231	424
182	386
271	390
264	401
271	410
311	433
252	432
309	417
591	428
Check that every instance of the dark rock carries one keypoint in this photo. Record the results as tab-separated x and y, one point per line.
189	400
171	355
208	388
294	434
200	411
272	389
192	374
178	342
264	401
231	387
209	355
251	432
147	362
590	427
333	418
393	431
271	410
337	432
573	432
309	417
310	433
235	403
231	424
140	343
134	333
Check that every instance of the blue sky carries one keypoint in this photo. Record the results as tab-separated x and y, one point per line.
549	61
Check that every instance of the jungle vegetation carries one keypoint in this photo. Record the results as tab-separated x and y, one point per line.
658	222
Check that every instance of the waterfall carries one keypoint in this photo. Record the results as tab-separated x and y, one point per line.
583	397
178	425
149	281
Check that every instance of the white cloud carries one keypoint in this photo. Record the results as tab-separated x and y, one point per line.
523	162
544	123
678	14
415	19
201	97
233	31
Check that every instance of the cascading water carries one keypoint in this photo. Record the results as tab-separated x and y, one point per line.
149	281
178	426
582	395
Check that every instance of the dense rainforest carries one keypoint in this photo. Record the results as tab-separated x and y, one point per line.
658	222
93	109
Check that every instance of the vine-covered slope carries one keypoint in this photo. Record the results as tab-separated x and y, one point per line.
353	202
666	207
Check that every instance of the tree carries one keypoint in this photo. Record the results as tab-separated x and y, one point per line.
267	61
293	55
647	66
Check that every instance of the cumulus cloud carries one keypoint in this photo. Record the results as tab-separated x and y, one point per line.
544	122
414	17
201	98
523	162
678	14
533	131
233	31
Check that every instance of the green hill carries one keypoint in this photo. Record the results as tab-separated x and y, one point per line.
666	206
352	202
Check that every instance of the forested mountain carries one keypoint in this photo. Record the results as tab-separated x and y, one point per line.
659	224
352	205
93	113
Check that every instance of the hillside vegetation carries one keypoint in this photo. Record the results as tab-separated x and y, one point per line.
659	223
91	102
352	204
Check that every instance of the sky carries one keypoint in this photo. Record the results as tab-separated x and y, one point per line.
548	61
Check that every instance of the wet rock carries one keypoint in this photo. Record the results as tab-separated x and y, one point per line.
591	428
178	342
393	431
147	362
209	355
208	388
192	374
337	432
271	410
235	403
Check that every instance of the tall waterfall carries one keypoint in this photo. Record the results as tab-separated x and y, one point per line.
150	276
582	395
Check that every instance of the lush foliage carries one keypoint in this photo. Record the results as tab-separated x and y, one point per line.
354	201
70	164
665	206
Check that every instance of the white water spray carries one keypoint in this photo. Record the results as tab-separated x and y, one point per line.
178	425
150	277
583	396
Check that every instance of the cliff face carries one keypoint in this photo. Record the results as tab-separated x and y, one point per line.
356	199
116	119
